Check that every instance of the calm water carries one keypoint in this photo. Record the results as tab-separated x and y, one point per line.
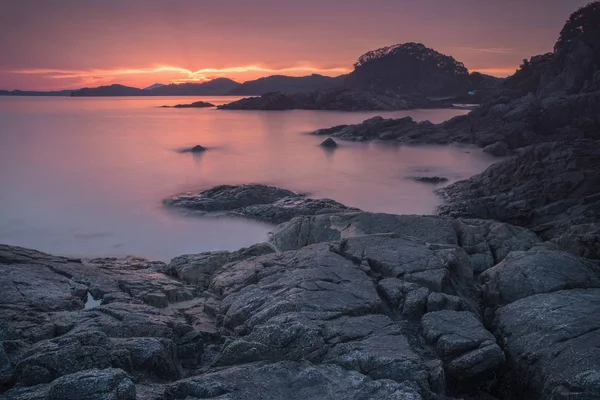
86	176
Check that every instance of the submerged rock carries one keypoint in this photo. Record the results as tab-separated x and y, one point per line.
197	104
429	179
329	143
195	149
265	203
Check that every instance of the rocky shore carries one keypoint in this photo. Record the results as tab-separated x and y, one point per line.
496	298
552	97
339	99
352	305
260	202
385	80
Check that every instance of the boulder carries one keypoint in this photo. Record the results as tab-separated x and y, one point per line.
289	380
522	274
467	348
486	242
440	269
288	208
314	304
552	343
307	230
198	269
329	143
264	203
226	197
94	384
155	356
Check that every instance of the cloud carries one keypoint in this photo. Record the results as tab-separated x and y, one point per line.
496	50
177	74
500	72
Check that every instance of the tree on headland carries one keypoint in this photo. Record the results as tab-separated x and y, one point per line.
411	67
584	25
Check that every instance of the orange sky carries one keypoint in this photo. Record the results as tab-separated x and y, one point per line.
63	44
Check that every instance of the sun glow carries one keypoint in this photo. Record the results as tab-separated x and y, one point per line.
173	74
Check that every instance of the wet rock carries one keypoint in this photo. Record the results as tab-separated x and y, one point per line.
552	342
288	208
198	269
409	298
441	301
48	360
5	366
466	347
290	380
264	203
45	338
486	242
445	269
523	274
310	273
582	240
328	131
498	149
157	356
329	143
547	187
226	197
303	231
94	384
489	242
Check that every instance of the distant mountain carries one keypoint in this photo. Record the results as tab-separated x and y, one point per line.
156	85
288	84
216	87
35	93
397	77
410	68
112	90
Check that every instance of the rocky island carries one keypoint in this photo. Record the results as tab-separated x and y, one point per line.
495	298
398	77
552	97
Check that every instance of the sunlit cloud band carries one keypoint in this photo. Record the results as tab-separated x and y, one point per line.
187	75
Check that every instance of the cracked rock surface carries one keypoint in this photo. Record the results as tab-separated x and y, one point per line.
351	305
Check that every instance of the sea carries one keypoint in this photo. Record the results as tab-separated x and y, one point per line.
86	177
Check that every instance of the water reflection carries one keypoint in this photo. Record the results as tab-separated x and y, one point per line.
85	177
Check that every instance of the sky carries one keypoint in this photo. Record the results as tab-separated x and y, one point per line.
68	44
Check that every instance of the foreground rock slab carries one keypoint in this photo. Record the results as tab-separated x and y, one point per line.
552	342
486	242
355	304
289	380
265	203
467	348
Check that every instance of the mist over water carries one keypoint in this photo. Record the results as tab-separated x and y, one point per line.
86	177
